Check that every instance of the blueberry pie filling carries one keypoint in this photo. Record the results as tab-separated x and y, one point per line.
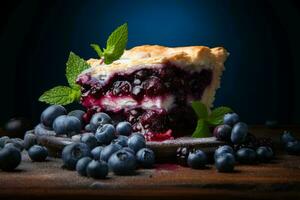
152	87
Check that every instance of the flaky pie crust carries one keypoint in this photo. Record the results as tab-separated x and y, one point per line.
190	58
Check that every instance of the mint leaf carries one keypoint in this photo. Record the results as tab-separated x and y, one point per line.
60	95
120	35
116	44
63	95
216	116
98	50
202	129
205	121
75	65
200	109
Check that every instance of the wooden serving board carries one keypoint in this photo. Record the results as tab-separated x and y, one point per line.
163	150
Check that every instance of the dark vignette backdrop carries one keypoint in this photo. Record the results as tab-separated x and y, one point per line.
261	81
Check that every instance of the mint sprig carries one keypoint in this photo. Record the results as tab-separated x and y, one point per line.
74	66
98	50
206	120
216	116
63	95
115	45
200	109
202	129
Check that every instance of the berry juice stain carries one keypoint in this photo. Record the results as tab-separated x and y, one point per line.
166	166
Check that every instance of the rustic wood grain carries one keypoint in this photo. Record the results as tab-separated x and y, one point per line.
47	180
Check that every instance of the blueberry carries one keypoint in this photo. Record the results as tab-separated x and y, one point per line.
121	140
121	88
138	134
76	138
153	86
99	119
17	126
78	114
38	153
124	128
97	169
10	158
108	151
293	147
225	162
264	154
73	152
96	152
145	157
88	128
41	130
231	119
197	159
105	134
3	141
59	125
29	140
89	139
182	154
246	155
137	92
136	142
223	149
50	114
128	150
17	142
287	137
122	163
67	125
11	145
82	164
222	132
239	133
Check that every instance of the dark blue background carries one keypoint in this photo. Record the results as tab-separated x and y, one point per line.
261	77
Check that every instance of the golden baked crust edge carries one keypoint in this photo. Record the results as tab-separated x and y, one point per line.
188	58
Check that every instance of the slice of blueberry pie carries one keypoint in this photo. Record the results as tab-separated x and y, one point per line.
152	87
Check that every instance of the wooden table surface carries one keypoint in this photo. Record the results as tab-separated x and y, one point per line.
278	179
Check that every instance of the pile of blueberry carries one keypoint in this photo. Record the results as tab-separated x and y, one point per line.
11	148
247	149
95	154
103	145
98	147
242	147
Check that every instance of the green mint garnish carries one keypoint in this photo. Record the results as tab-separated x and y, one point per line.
202	129
75	65
63	95
200	109
98	50
60	95
206	120
216	116
115	45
